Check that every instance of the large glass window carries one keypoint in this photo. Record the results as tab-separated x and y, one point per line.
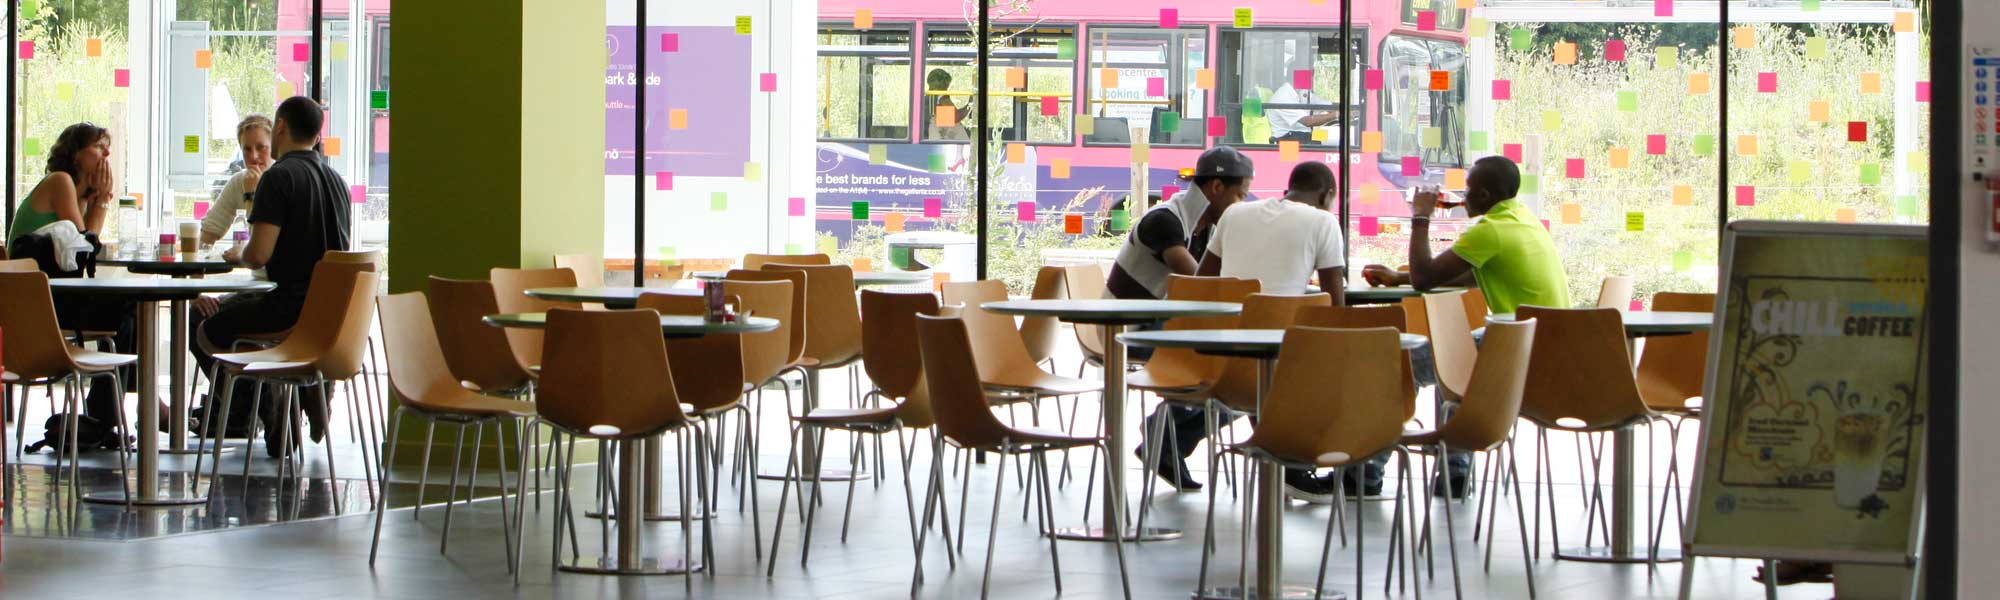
1034	75
1277	85
1436	14
864	84
1150	80
75	66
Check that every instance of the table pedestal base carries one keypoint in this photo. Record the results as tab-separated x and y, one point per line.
160	498
659	517
608	565
824	475
1604	554
1289	592
1099	534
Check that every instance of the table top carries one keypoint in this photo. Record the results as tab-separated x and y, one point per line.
860	277
174	264
1231	342
1648	322
1113	311
610	296
157	288
1384	295
670	325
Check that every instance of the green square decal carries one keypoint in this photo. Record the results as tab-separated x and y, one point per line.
1531	184
1120	220
861	211
718	201
1253	107
1477	140
1871	174
1066	49
936	163
378	99
1519	39
1704	144
1170	122
1628	101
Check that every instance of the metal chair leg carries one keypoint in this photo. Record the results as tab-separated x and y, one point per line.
382	499
993	526
451	493
424	470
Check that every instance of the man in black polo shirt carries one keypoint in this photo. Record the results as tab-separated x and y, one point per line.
301	212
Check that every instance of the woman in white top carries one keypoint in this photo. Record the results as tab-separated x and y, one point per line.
253	136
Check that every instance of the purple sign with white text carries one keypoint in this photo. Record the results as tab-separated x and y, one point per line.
697	101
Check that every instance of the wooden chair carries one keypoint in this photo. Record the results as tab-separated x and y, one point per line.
1086	282
1452	347
712	375
1236	388
1366	317
1580	380
895	366
588	268
509	295
1317	417
965	420
1179	376
1670	376
755	262
1039	333
477	354
607	377
1615	292
1483	422
425	387
327	344
38	354
1475	307
832	323
1006	370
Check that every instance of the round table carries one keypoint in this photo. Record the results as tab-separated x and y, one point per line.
861	278
635	455
1114	315
1624	478
175	265
149	292
610	297
178	266
1261	345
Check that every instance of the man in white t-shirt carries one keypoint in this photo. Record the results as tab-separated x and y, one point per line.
1283	243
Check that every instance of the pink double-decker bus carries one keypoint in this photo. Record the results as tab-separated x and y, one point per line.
1077	84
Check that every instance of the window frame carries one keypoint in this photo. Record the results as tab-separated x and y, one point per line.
1056	29
1228	76
1208	54
1459	82
909	52
1407	15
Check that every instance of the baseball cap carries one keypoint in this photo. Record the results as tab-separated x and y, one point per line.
1224	161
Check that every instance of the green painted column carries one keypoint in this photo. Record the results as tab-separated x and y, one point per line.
499	156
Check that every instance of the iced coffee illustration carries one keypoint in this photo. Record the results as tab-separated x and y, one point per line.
1860	440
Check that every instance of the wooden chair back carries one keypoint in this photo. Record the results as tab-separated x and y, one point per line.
1451	341
1086	282
1580	371
996	344
587	268
607	374
1615	292
793	324
417	362
1492	403
952	376
509	293
889	350
1672	368
754	262
1039	333
475	352
35	348
833	316
709	371
1328	416
1366	317
1237	386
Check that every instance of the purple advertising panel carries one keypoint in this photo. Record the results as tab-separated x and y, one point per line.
697	101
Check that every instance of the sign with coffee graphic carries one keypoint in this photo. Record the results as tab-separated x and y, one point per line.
1812	441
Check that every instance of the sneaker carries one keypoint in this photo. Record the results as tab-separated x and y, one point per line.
1172	470
1304	487
1460	486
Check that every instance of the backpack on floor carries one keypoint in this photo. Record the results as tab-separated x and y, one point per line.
91	434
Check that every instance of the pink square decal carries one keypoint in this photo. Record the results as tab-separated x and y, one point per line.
1746	195
933	208
663	181
1427	20
358	194
795	207
670	42
1218	127
1503	89
1167	192
1170	18
1511	151
1156	86
1923	91
1369	226
1024	212
1614	50
1371	79
767	82
1767	82
1413	166
1050	107
1573	168
1656	144
121	77
301	52
1302	79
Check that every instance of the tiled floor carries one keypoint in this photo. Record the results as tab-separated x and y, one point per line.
310	539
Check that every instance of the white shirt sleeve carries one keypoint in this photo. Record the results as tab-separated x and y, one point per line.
222	212
1285	120
1329	254
1215	235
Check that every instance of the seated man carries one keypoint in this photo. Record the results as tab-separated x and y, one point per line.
1170	240
1282	244
301	212
1508	252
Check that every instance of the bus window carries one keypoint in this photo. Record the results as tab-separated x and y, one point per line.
1015	112
1257	98
1409	106
1449	16
864	84
1140	54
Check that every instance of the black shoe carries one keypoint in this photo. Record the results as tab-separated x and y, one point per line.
1354	488
273	440
1304	487
1171	470
1460	486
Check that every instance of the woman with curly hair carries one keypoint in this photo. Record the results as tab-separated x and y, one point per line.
77	187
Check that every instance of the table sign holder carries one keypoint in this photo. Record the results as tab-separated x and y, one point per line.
1814	405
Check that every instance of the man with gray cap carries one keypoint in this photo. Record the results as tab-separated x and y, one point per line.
1169	240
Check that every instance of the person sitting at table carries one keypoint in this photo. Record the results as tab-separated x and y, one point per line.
1508	253
253	138
1281	243
301	212
1171	239
77	189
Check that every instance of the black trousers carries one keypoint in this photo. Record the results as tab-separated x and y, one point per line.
85	313
238	316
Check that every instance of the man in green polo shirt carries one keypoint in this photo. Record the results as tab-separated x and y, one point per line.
1509	252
